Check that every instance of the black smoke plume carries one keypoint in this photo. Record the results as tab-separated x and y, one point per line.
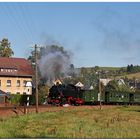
54	62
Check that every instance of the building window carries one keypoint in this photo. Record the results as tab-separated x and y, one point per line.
0	83
8	83
24	93
18	92
18	83
24	83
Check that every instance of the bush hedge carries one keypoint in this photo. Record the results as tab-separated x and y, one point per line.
21	99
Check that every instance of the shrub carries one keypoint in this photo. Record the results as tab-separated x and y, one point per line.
15	99
21	99
32	100
42	93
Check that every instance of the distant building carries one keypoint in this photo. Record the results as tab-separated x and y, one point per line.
121	82
134	85
57	82
15	76
105	81
79	84
3	97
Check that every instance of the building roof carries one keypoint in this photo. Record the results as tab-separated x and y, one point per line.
105	81
121	82
2	93
79	84
15	67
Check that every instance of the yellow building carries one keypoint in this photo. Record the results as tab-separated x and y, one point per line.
15	76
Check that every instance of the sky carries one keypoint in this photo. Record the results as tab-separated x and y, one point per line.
96	33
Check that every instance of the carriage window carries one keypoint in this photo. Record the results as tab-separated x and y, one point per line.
119	95
136	96
127	95
113	95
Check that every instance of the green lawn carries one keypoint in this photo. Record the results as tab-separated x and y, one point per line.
75	122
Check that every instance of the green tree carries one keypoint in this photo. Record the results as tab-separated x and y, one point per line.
113	85
97	68
5	48
42	93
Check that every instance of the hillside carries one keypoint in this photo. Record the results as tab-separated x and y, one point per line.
101	68
111	68
111	71
131	76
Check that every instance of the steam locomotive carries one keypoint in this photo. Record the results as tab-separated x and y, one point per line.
65	94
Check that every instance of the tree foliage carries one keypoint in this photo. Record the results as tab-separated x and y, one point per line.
113	85
133	69
5	48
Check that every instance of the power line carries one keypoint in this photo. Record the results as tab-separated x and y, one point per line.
11	16
22	21
31	18
25	21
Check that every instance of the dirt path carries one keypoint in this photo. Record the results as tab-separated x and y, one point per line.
11	111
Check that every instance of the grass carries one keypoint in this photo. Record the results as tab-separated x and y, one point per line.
110	68
75	122
131	76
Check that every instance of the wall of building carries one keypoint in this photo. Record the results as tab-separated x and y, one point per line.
15	87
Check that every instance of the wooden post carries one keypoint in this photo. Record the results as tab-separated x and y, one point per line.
25	109
36	78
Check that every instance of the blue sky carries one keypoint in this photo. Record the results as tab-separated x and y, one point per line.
103	34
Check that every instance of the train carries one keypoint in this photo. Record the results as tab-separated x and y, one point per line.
69	94
65	94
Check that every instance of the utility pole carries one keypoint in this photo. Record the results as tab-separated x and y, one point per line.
36	79
100	92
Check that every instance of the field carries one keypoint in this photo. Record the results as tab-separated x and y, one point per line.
131	76
72	122
110	68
